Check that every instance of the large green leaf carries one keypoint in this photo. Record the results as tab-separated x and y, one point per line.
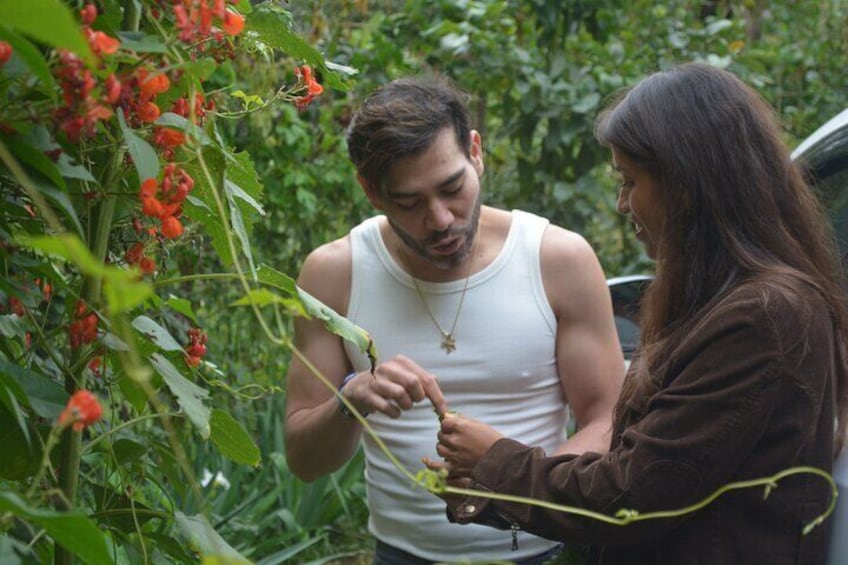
189	395
71	530
47	21
203	538
232	440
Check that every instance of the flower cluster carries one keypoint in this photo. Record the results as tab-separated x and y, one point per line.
84	327
135	256
206	24
164	200
196	348
83	105
312	86
82	410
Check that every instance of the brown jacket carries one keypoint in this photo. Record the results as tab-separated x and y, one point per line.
748	395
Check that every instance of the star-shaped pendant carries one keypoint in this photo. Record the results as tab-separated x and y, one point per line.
449	344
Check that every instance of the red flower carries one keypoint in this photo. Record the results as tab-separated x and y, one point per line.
113	89
82	410
5	52
88	14
196	348
84	329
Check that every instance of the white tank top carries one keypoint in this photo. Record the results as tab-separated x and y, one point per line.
503	372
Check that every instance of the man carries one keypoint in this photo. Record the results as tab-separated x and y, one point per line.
491	313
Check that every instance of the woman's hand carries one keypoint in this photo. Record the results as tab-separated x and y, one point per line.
463	442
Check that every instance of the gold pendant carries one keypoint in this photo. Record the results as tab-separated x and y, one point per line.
449	343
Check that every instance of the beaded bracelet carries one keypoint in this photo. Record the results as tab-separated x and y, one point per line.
342	406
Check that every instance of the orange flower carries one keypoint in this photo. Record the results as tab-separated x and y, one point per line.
151	207
233	23
150	86
149	112
167	137
101	43
171	227
148	188
82	410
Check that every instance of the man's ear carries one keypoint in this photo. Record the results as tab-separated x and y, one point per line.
371	192
476	152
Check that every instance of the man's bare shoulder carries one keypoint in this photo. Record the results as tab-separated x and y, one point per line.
565	249
325	273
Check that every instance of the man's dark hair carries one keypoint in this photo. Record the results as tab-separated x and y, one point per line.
402	119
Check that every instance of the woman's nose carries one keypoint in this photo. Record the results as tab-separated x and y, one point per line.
622	204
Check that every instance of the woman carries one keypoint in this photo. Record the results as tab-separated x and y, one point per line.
741	370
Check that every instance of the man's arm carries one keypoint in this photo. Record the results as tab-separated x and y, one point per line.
589	358
318	437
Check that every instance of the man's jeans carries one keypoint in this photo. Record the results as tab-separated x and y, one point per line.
389	555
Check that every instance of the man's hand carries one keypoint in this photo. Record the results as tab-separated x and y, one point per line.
463	442
395	386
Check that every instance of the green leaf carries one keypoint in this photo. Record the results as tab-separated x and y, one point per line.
203	538
261	297
44	396
32	58
189	395
143	155
339	325
141	43
47	21
21	453
71	530
232	440
156	333
182	306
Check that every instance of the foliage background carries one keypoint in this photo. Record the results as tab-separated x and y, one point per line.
538	71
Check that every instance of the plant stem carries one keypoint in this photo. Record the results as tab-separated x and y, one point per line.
92	286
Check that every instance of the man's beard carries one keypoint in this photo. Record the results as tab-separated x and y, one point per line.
450	261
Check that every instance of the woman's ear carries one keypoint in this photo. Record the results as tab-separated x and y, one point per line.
371	192
475	152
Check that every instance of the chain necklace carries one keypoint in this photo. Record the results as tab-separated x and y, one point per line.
448	339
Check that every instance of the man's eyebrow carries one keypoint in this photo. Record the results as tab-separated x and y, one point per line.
444	184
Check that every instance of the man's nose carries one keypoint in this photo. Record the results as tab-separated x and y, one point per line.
439	216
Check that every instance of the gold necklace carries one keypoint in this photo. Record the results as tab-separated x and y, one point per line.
448	339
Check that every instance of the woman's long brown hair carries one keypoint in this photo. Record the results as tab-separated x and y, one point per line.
736	207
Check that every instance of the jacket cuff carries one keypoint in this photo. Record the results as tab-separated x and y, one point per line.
485	478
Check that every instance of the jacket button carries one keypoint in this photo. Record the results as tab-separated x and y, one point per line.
470	508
